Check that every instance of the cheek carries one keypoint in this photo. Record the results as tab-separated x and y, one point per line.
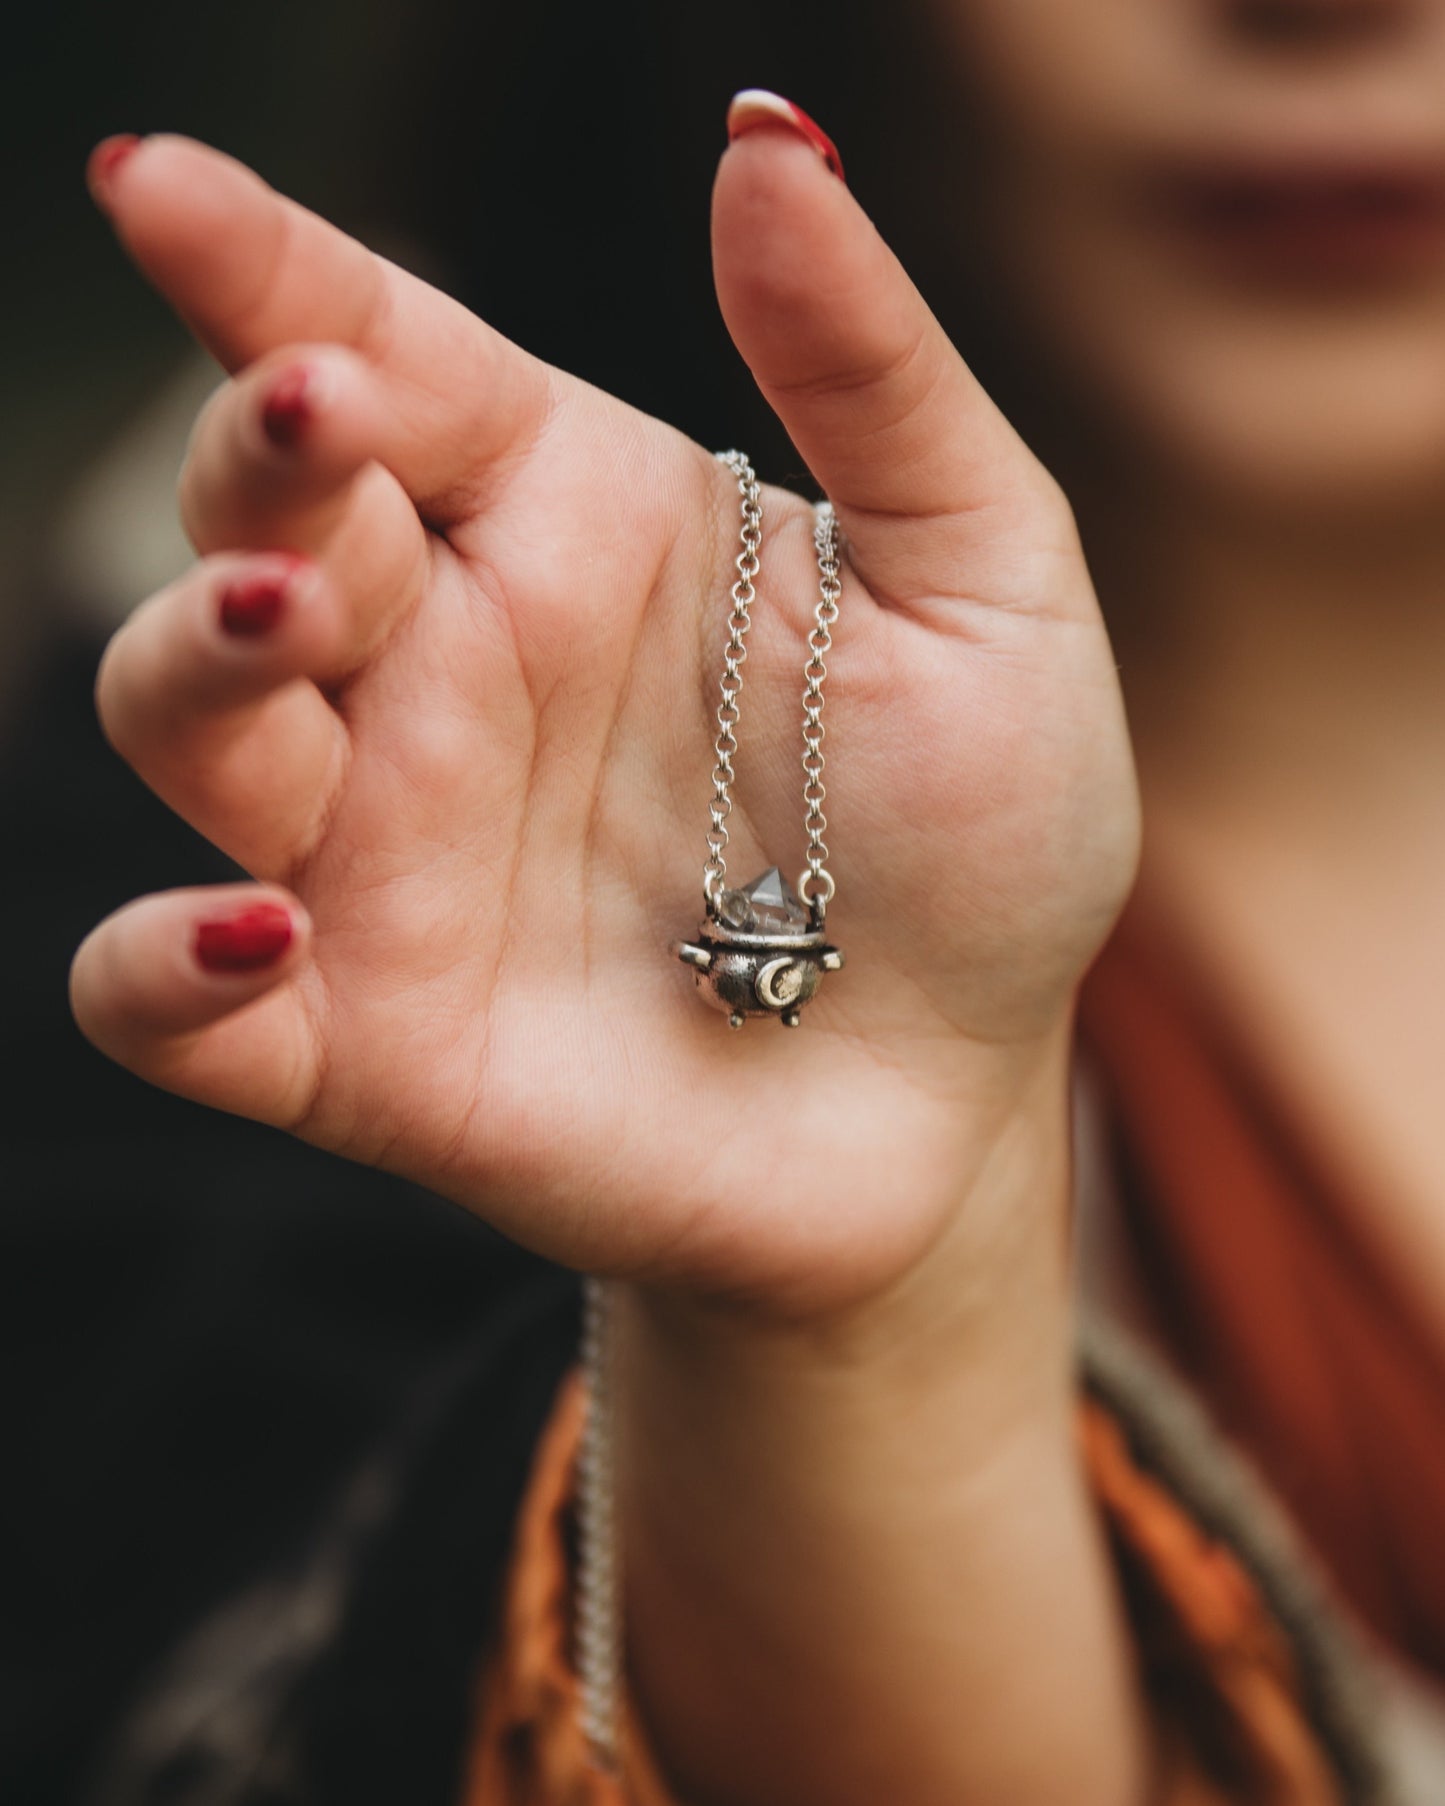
1059	70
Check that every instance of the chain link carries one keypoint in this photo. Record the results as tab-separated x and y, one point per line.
816	886
739	620
820	644
599	1629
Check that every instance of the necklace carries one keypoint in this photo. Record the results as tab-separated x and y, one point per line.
759	952
761	949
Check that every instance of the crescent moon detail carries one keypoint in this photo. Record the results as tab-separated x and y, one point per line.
779	983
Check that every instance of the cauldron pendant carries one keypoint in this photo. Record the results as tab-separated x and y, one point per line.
760	952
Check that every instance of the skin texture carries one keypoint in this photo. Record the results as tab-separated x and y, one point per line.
478	777
468	758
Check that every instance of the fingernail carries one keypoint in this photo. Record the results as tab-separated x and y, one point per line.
254	602
289	406
248	941
756	107
105	160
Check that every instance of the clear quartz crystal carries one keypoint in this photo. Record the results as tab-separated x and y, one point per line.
769	905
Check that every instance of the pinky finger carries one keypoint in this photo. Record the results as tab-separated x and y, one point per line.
197	991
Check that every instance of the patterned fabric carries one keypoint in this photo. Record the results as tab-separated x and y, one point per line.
1219	1669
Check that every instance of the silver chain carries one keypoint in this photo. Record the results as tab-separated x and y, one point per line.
600	1630
739	620
599	1556
816	886
820	644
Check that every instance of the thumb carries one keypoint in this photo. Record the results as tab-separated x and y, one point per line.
920	464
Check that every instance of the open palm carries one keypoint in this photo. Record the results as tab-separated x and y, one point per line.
463	741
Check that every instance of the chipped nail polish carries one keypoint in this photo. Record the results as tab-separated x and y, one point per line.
289	407
756	107
252	604
105	161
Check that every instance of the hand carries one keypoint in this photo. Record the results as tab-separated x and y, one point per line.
468	758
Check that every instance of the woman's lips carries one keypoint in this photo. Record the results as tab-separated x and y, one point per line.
1353	221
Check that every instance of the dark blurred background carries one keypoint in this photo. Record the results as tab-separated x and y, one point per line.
209	1331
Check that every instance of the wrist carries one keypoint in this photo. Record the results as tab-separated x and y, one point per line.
878	1513
988	1294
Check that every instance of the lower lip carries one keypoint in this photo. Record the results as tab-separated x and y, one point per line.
1313	229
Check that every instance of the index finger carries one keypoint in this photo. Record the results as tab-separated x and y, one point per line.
249	271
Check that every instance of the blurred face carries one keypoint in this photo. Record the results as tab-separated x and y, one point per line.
1227	219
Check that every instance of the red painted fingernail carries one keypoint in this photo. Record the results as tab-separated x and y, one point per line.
254	602
253	938
105	160
289	406
756	107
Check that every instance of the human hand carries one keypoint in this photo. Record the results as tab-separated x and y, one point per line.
463	742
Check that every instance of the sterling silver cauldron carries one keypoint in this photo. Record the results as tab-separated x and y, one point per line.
761	952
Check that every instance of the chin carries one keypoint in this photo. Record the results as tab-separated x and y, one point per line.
1258	459
1311	416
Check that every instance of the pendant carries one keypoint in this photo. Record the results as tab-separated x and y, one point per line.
760	952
